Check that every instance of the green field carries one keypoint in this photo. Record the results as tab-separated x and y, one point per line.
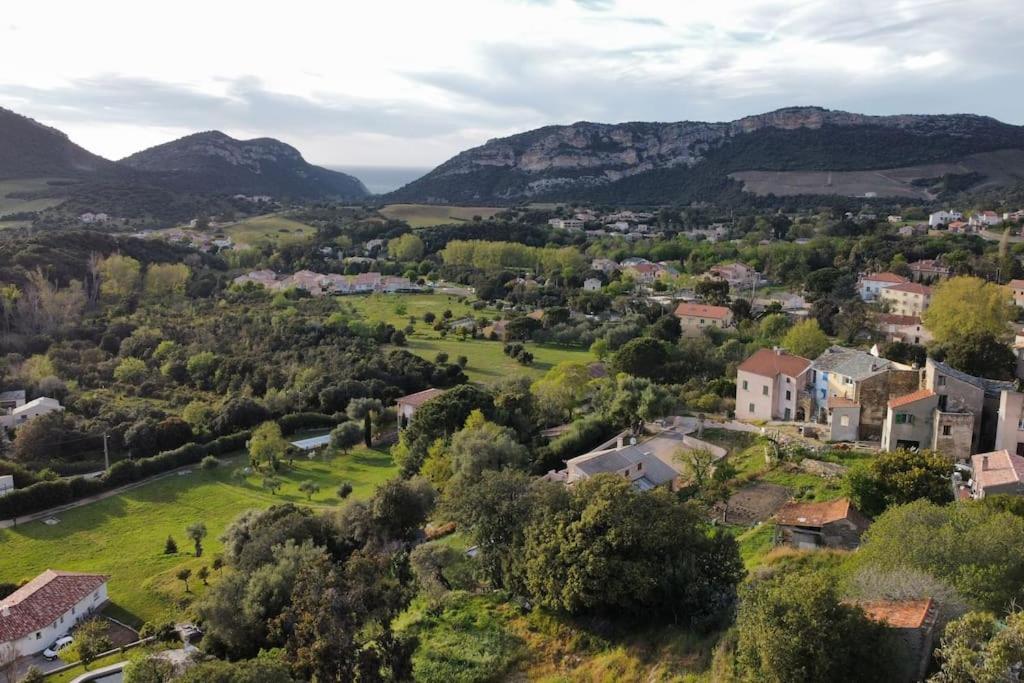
124	535
487	362
273	229
14	205
427	215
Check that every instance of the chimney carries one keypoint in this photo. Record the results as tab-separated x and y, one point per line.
620	442
5	611
984	463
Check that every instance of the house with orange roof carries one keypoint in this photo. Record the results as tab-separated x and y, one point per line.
835	524
695	318
913	624
47	607
906	298
999	472
769	386
871	285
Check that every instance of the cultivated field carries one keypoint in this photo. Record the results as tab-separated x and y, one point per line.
14	205
487	362
426	215
273	229
124	535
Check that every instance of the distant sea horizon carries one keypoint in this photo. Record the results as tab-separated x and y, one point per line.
381	179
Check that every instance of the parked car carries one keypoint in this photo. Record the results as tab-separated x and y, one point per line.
51	653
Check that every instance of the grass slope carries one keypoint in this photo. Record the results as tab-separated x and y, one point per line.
487	361
10	204
274	229
427	215
124	535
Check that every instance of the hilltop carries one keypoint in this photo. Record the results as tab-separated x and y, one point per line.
644	162
30	149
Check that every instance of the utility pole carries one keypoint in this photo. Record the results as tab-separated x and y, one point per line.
106	452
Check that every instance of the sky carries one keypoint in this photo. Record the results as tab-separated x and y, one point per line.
413	82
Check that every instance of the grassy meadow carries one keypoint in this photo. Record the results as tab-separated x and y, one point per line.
273	229
487	361
124	535
427	215
13	204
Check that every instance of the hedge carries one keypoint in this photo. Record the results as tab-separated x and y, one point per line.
48	494
296	421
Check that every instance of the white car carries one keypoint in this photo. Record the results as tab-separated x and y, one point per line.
53	651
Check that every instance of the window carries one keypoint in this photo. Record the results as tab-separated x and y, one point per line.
844	420
764	390
847	380
38	635
745	387
751	407
1020	425
904	419
639	466
789	395
941	380
947	430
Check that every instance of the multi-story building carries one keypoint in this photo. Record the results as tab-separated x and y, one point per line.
908	298
871	285
928	271
903	328
769	386
943	217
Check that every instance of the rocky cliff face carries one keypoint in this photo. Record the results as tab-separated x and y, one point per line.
564	159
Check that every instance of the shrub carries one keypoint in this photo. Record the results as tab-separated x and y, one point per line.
209	463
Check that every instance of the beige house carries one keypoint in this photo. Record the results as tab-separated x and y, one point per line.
1017	287
406	406
903	328
998	472
769	384
908	298
695	318
915	421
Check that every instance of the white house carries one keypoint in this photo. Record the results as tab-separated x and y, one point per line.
591	284
46	608
871	284
22	414
566	224
985	219
406	406
943	217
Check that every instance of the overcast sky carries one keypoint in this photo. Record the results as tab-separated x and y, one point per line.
413	82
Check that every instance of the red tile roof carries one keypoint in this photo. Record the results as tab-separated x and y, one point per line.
898	613
998	467
841	402
1015	284
912	287
912	397
884	277
770	363
893	319
41	601
814	514
685	310
420	397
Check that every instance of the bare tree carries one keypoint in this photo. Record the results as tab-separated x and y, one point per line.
8	663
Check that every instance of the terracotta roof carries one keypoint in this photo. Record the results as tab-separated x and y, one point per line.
998	467
885	277
771	363
702	311
841	402
912	397
912	287
813	514
893	319
1015	284
420	397
898	613
41	601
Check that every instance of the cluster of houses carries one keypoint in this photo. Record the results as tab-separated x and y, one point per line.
319	284
90	218
632	225
199	240
954	221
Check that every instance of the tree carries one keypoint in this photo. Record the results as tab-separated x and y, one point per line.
170	546
149	669
482	445
271	484
698	463
898	477
714	292
978	647
119	276
184	575
32	675
966	306
794	629
345	436
218	563
91	640
408	247
560	390
309	488
615	550
642	357
197	532
344	490
439	417
364	409
428	561
165	281
34	440
131	371
267	446
631	401
806	339
981	355
202	367
204	574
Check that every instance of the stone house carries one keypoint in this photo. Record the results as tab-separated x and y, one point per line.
915	421
835	524
962	393
769	385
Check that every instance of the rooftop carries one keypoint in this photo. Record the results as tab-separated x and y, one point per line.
1015	284
702	311
420	397
814	514
911	288
899	613
998	467
853	363
884	277
619	460
912	397
43	600
893	319
841	402
991	387
771	363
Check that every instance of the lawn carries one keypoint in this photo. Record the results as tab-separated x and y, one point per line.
124	535
427	215
274	229
14	205
487	361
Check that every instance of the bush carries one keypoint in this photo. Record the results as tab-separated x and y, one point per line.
209	463
297	421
